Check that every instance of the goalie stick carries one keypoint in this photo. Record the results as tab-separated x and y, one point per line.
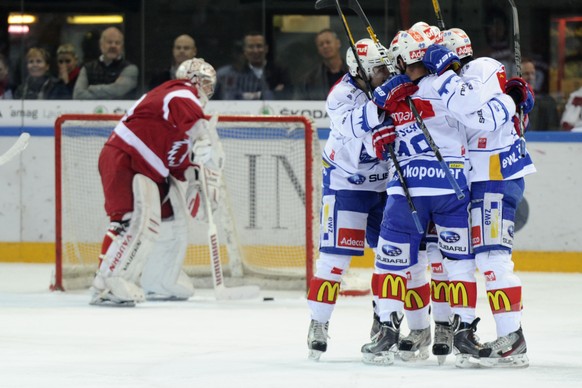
517	53
18	147
354	5
220	290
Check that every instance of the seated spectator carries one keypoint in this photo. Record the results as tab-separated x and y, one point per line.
184	48
110	76
255	78
572	116
5	85
544	116
68	64
39	83
316	84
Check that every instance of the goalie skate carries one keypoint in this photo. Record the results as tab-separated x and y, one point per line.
443	341
505	352
415	345
383	348
465	343
317	339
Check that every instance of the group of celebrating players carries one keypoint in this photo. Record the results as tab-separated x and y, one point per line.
382	179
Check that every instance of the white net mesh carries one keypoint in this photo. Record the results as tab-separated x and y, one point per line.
271	178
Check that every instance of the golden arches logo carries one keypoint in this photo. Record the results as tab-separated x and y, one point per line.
496	298
458	294
440	290
330	289
397	287
418	302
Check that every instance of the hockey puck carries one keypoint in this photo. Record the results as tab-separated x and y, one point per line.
268	299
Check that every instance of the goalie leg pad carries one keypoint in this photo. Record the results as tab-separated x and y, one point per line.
129	250
163	277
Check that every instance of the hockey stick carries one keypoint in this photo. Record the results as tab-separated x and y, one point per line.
517	49
439	15
220	290
319	4
18	147
354	5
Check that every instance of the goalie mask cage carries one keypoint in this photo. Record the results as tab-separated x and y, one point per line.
267	220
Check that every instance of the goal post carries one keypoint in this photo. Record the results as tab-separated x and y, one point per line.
272	178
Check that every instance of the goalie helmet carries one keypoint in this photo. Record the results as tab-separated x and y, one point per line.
458	41
433	33
370	57
409	45
201	74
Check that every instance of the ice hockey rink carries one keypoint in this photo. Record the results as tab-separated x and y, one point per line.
55	339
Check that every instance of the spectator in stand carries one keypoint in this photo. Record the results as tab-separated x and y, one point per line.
111	76
572	116
69	69
39	83
544	116
184	48
320	79
256	78
5	86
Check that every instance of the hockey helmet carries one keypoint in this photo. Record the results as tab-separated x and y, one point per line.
432	32
369	54
458	41
409	45
201	74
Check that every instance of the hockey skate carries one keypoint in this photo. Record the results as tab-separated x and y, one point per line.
115	292
382	349
375	325
443	341
415	345
505	352
317	339
466	343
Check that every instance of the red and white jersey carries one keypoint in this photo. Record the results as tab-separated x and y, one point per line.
153	131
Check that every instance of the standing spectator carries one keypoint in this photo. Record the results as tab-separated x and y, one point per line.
572	116
544	116
110	76
5	86
184	48
319	80
256	78
68	64
39	83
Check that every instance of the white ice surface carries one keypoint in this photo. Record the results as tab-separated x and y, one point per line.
53	339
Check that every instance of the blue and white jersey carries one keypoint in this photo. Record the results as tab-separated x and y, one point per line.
349	161
478	101
422	171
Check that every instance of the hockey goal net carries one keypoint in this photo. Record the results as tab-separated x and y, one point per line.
267	222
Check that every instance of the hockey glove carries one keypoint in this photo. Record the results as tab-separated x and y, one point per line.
521	93
382	137
438	59
517	125
390	93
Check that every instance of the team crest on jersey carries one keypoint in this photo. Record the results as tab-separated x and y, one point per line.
178	153
482	143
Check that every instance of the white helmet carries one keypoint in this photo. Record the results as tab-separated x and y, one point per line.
410	45
201	74
369	56
458	41
432	32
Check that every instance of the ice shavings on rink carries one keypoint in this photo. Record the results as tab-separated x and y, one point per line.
52	339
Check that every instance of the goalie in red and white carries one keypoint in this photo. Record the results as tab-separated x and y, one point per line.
141	165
